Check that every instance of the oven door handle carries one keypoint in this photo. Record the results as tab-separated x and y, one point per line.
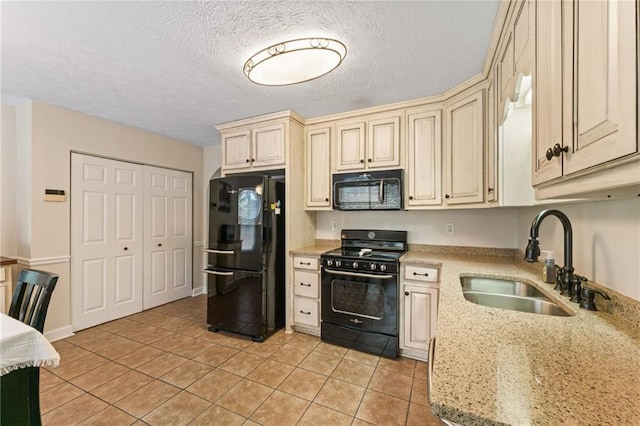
356	274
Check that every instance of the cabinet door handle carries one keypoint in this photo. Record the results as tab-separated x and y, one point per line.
303	312
126	248
558	150
305	285
252	160
425	274
411	197
447	196
549	154
369	160
490	190
306	263
406	293
326	199
247	160
361	161
159	244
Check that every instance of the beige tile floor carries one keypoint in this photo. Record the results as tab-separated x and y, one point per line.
163	367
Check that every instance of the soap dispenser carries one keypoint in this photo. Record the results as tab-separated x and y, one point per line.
549	268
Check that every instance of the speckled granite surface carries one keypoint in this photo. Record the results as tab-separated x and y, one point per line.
495	366
317	249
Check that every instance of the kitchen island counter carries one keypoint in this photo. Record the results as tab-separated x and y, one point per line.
496	366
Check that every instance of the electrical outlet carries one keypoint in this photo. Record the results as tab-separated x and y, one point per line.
450	228
334	225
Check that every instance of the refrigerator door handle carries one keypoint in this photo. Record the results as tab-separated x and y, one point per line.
218	251
209	271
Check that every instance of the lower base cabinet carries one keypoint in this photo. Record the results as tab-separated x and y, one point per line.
306	294
418	310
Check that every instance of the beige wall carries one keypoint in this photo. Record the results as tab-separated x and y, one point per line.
8	234
55	132
606	241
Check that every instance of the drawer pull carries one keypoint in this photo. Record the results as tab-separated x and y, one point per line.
425	274
306	263
306	313
306	285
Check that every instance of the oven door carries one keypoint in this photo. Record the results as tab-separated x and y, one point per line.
360	311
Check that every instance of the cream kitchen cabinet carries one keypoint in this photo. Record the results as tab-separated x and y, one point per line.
368	142
306	294
464	148
424	159
586	69
262	146
491	145
318	167
418	309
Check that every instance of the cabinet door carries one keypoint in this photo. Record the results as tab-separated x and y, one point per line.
491	146
350	146
506	68
425	157
318	171
463	151
383	142
604	83
236	150
420	316
268	146
547	91
523	38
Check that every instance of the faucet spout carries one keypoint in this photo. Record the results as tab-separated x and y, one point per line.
533	250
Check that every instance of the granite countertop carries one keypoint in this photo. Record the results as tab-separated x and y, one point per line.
495	366
320	246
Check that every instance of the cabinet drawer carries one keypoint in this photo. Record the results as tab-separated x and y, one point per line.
421	273
305	283
303	262
305	311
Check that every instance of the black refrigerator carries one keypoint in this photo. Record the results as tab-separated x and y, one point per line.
246	258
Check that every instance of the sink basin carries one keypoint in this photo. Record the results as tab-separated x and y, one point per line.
498	286
509	294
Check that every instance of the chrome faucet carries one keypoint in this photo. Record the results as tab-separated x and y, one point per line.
569	282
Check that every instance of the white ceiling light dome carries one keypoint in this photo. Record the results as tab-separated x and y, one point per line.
295	61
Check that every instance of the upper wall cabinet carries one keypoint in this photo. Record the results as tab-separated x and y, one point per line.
463	148
585	119
424	159
369	142
260	146
318	167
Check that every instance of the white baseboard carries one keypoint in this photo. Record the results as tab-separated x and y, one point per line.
197	291
59	333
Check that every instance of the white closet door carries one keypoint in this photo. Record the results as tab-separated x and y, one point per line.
106	240
168	220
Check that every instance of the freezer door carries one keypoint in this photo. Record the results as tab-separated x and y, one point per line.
236	302
236	222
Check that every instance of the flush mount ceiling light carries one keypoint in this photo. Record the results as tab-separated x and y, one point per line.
295	61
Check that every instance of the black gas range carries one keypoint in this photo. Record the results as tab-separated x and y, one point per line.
359	291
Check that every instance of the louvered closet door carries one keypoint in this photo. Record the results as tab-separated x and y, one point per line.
167	235
106	240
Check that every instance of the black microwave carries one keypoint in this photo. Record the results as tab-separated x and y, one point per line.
381	190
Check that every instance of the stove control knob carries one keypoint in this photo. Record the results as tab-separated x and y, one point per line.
383	268
373	266
329	262
355	265
338	263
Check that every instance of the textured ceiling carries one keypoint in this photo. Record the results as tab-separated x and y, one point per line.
175	68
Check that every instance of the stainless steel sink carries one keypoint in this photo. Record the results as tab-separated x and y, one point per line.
499	286
509	294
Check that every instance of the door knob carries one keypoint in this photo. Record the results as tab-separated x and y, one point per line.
447	196
406	293
126	248
159	244
549	154
361	161
411	197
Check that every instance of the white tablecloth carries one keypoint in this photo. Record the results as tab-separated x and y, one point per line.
23	346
